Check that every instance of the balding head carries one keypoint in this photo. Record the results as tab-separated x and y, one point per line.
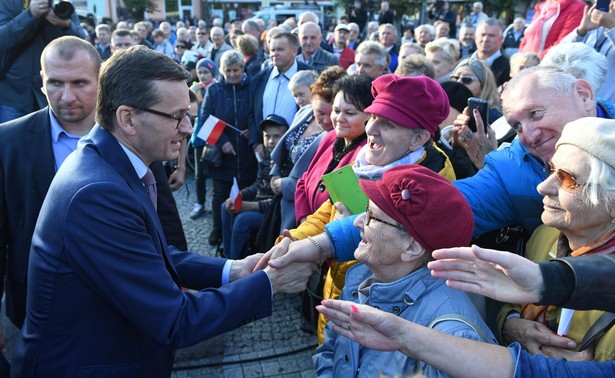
308	17
309	38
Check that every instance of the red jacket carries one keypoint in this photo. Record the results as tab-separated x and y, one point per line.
570	15
309	195
347	57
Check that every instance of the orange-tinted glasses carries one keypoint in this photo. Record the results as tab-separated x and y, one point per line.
568	180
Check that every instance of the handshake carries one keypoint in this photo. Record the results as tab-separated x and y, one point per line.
289	264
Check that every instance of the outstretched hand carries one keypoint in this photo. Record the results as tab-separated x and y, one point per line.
368	326
276	251
500	275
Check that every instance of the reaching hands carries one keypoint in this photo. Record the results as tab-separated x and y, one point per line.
366	325
242	268
534	335
477	144
292	278
499	275
276	251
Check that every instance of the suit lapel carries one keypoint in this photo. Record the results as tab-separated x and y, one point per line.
40	151
110	150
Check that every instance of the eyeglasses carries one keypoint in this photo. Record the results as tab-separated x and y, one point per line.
201	33
369	216
567	179
467	80
180	46
178	118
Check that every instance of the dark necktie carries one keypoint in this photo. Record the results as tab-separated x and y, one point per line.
149	181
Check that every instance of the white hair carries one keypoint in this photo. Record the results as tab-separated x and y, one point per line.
580	60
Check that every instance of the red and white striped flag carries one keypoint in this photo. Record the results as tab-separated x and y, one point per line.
211	130
236	195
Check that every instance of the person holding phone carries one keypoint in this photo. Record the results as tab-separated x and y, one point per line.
477	76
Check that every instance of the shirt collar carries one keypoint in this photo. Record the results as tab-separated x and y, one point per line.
137	163
57	130
289	73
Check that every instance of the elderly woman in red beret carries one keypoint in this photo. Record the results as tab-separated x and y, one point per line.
402	225
404	118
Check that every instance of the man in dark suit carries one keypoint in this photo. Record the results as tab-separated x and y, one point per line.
105	293
488	38
33	147
272	83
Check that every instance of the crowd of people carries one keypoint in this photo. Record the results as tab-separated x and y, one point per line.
93	255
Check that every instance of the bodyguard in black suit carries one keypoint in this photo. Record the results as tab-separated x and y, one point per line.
31	150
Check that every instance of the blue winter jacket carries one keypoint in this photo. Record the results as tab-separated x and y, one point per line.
230	103
417	297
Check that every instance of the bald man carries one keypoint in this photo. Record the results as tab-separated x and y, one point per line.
312	54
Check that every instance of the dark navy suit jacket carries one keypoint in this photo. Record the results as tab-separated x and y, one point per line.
27	167
104	295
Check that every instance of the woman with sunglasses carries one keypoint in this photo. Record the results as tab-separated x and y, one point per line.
579	220
410	214
477	76
579	198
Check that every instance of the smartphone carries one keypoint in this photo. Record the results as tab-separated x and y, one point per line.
603	5
483	109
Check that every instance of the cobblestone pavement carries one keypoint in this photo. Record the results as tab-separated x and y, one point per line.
271	347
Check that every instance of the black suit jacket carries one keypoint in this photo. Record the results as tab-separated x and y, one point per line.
257	88
27	167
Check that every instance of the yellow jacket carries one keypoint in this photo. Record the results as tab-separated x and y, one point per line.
542	246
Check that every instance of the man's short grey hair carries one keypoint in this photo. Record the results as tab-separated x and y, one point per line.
428	27
387	26
548	78
582	61
354	26
375	48
303	78
478	4
490	22
231	58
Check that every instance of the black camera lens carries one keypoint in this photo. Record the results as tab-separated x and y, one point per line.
63	9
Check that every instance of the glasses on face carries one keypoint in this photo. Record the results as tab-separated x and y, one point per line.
567	179
202	33
179	118
466	80
180	46
369	216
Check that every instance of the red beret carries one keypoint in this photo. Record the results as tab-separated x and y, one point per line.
411	102
429	208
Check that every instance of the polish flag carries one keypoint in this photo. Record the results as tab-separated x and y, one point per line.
236	195
211	130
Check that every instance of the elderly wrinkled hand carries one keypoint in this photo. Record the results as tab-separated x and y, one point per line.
276	251
534	335
292	278
476	144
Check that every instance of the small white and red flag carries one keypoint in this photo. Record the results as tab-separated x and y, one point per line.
236	195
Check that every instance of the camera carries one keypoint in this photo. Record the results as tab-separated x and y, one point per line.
62	9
